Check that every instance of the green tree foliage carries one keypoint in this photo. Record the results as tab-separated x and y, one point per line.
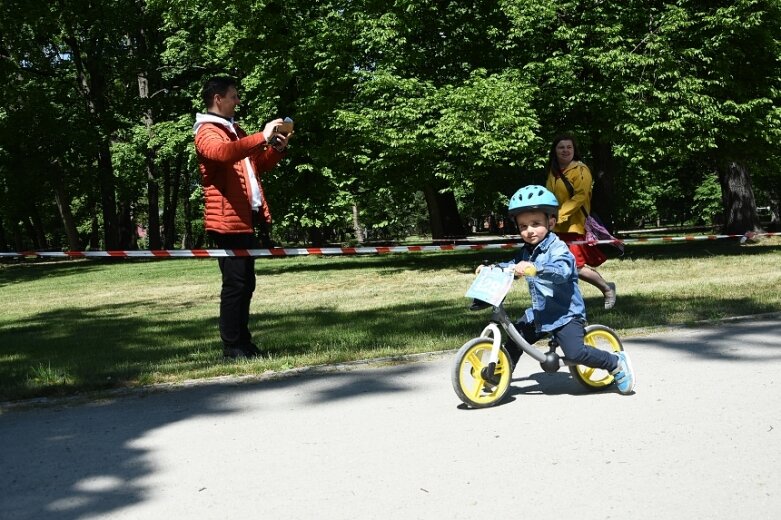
707	199
708	92
658	92
431	107
72	63
437	108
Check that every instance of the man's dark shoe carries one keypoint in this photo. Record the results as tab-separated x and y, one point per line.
233	353
252	350
241	352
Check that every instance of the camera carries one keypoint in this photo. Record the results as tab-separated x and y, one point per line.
285	128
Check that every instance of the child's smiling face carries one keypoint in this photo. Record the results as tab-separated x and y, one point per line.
534	226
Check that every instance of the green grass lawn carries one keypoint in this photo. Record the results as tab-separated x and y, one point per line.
72	326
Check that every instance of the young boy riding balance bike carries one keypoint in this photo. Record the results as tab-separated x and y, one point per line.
557	304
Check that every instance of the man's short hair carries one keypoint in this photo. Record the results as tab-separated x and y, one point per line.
216	85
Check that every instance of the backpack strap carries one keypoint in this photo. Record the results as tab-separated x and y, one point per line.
571	191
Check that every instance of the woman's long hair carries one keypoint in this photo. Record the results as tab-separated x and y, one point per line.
554	161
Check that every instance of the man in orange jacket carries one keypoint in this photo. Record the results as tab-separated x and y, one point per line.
231	163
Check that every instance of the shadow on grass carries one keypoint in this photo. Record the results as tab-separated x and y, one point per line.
64	351
35	270
104	346
695	249
634	312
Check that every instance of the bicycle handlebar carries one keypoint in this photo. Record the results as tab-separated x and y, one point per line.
529	271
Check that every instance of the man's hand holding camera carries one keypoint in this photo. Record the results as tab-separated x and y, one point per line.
278	133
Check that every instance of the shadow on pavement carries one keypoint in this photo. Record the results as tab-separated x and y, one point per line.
720	341
79	460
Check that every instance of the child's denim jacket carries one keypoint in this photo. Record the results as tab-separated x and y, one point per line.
556	297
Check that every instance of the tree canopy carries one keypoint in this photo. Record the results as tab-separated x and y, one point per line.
411	116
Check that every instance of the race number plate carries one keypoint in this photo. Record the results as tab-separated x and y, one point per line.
491	285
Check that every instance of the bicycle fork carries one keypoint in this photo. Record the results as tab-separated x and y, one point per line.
488	371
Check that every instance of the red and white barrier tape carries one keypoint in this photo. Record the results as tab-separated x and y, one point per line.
333	251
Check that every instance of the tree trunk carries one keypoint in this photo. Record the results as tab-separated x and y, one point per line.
443	214
107	196
357	226
3	239
152	189
152	186
774	211
187	240
63	205
153	199
18	237
127	228
603	174
32	226
174	203
737	195
170	201
94	233
316	237
38	228
92	86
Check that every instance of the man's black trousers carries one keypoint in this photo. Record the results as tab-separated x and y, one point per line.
238	284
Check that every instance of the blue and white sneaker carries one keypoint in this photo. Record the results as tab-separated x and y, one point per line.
623	374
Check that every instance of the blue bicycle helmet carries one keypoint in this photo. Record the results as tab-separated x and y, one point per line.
533	198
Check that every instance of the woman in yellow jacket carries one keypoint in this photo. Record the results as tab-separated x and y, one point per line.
570	181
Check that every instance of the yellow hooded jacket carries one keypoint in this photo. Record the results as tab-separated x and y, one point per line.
571	218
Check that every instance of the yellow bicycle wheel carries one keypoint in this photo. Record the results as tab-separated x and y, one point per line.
467	375
603	338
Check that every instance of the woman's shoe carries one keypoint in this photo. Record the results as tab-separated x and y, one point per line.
610	296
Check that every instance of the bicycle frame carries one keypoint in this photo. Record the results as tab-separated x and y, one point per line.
499	317
549	361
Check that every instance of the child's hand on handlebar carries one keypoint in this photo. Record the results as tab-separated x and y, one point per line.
525	269
486	263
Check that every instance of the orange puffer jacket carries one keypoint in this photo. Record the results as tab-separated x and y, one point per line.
225	175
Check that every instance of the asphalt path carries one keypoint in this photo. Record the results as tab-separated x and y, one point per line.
700	439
